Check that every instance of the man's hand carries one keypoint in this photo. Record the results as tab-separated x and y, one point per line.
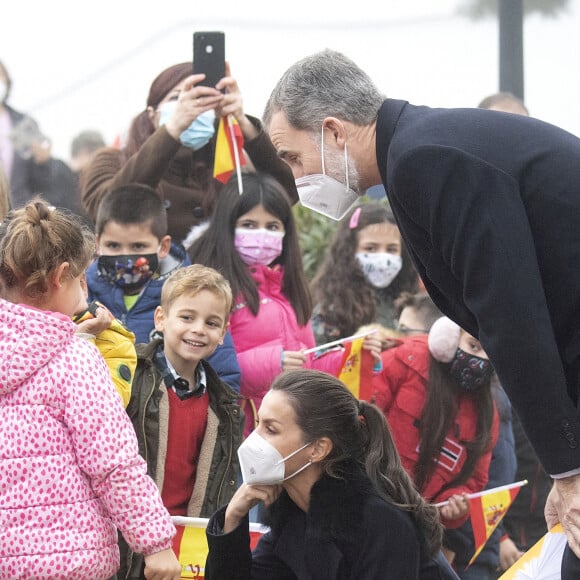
563	506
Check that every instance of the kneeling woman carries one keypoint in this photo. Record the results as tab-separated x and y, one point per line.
341	505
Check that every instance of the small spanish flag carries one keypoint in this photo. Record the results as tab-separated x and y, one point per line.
229	155
357	369
487	509
190	544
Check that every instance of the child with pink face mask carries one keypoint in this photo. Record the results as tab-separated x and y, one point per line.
252	240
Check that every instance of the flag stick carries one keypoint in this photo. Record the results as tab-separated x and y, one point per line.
236	154
339	341
486	491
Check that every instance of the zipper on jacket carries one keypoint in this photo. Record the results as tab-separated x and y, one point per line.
229	466
146	446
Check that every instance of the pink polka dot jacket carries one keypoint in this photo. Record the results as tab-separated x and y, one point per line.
70	472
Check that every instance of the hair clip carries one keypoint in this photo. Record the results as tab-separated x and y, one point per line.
354	218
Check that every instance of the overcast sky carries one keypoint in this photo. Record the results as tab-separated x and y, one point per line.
79	65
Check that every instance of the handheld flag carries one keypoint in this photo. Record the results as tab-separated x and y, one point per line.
228	150
487	508
190	544
357	369
543	561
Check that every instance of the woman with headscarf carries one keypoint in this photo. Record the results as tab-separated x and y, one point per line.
171	147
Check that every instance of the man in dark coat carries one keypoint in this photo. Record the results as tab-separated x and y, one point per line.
489	205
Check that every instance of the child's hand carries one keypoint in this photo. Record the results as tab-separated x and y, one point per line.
373	344
245	498
162	565
102	320
508	553
292	360
457	507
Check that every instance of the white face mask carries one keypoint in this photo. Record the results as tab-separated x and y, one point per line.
262	464
324	194
380	268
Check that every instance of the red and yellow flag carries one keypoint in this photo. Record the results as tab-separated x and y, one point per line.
190	545
228	148
487	510
357	369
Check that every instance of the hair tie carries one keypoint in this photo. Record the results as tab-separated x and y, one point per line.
353	223
362	420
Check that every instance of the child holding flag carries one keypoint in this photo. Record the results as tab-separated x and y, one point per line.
435	392
252	241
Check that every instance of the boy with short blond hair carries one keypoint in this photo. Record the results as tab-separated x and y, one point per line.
135	258
188	422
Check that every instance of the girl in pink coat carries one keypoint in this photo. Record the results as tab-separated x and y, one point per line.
252	240
70	471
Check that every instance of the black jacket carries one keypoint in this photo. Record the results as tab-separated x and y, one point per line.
349	532
489	205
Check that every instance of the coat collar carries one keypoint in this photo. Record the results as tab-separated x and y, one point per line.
335	504
387	120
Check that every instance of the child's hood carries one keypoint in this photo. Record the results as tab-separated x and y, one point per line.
177	258
29	339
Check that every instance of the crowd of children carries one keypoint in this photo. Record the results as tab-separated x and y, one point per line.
142	377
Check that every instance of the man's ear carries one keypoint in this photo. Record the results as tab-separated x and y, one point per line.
334	132
159	318
321	448
164	247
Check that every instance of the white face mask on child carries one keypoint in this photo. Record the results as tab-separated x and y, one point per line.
262	464
379	268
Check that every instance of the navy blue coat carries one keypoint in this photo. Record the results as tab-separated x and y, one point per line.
348	533
489	205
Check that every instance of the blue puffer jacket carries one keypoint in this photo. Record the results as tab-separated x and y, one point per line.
139	319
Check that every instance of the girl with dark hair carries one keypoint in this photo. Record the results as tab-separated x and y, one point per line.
171	145
340	503
365	269
435	391
252	240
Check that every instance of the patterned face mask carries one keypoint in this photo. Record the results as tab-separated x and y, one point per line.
380	268
130	272
258	247
471	372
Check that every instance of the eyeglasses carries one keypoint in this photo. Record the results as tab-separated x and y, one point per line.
406	330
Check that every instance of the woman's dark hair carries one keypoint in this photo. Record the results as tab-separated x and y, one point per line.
340	286
437	419
215	247
324	407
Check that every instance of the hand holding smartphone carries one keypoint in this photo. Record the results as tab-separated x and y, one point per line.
209	56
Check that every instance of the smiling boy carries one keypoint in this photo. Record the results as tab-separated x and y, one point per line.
187	420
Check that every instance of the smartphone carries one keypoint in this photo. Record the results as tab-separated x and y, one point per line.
209	56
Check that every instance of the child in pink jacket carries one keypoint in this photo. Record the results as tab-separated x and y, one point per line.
252	240
70	471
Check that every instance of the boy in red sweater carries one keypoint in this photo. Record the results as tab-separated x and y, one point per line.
187	420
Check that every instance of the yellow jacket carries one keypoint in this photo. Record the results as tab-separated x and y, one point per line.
117	346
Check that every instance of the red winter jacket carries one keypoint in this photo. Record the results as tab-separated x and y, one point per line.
400	391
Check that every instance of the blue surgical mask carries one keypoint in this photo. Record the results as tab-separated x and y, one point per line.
198	134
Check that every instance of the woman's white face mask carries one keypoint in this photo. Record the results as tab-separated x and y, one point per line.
262	464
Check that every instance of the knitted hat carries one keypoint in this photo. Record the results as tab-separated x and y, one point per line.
444	339
166	80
